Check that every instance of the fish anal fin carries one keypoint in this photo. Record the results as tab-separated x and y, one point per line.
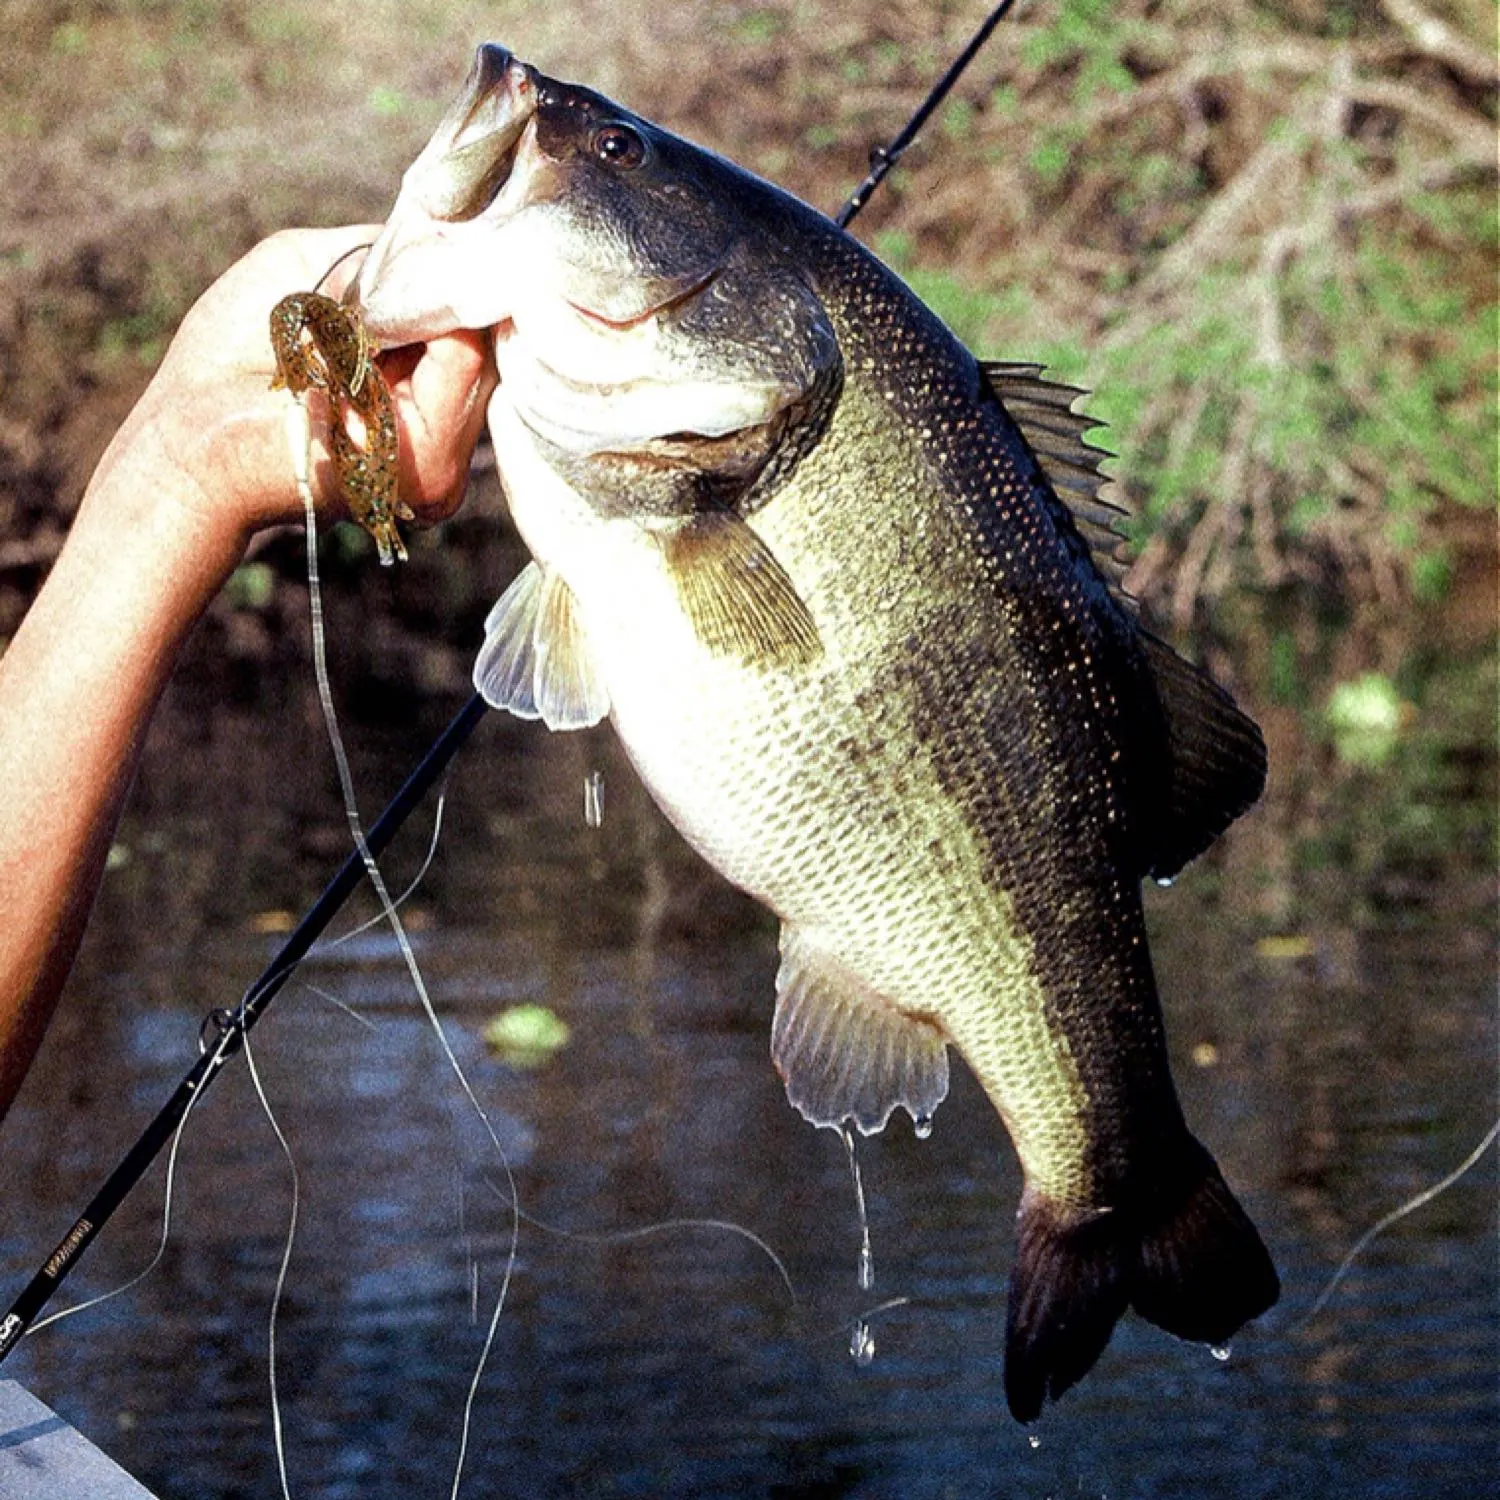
1215	763
535	660
847	1055
1183	1253
735	594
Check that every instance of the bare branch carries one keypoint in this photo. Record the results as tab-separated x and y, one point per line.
1471	132
1437	39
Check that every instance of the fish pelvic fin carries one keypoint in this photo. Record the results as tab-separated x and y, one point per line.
736	595
535	660
846	1054
1189	1261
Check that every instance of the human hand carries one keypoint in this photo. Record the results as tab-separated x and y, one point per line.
211	416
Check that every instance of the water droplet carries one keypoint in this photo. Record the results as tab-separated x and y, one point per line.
1220	1352
593	799
1165	880
922	1125
861	1344
865	1274
1033	1439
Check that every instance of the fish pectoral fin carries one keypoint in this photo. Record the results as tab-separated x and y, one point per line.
1216	763
735	594
846	1054
535	660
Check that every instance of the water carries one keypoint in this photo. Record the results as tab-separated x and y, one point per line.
864	1275
1331	1086
593	799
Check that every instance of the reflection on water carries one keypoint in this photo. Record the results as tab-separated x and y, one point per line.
1332	1075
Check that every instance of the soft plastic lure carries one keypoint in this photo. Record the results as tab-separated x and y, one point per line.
321	344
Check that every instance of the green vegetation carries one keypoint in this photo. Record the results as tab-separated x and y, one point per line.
1269	246
1264	234
527	1036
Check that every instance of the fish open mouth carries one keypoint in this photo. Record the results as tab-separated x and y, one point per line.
467	164
481	137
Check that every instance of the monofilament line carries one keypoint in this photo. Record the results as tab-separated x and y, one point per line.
299	432
1380	1226
278	1433
166	1222
320	949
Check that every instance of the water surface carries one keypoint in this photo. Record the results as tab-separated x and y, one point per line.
1332	1074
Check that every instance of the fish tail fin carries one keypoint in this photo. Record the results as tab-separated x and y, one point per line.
1068	1286
1203	1271
1189	1261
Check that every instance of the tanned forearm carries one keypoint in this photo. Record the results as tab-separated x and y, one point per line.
77	688
201	464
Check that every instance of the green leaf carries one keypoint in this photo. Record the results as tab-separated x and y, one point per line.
527	1036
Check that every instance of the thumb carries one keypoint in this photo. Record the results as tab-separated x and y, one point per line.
440	391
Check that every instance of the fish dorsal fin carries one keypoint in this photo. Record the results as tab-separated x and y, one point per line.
535	659
1056	434
736	595
846	1054
1215	764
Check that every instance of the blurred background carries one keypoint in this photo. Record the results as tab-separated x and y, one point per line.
1264	236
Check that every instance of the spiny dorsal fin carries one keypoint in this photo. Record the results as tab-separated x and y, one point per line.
737	596
535	659
1215	763
847	1055
1043	410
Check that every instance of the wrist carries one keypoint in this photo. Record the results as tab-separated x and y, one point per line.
164	512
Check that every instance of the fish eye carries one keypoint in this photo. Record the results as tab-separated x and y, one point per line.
619	146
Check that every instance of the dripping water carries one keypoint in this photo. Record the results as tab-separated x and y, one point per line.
593	799
861	1344
865	1276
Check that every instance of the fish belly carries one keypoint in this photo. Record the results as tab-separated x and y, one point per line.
810	788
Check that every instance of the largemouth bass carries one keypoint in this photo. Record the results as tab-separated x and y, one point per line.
845	593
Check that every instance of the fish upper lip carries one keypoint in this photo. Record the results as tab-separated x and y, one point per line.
625	325
464	168
505	143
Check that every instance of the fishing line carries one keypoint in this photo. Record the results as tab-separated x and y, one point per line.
322	281
166	1227
343	1005
608	1237
1396	1214
286	1259
319	949
299	432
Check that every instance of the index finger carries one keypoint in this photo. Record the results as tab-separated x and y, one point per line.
230	321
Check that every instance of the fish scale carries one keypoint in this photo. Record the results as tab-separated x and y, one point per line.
794	543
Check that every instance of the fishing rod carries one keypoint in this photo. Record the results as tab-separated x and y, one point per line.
223	1032
883	158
